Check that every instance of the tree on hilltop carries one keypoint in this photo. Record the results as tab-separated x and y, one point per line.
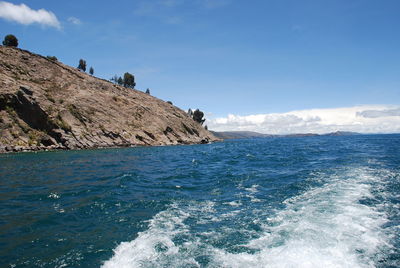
129	80
82	65
120	81
198	116
10	41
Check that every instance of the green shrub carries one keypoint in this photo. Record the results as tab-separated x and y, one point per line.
129	80
10	41
198	116
82	65
52	58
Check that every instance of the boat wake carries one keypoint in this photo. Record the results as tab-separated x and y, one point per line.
339	220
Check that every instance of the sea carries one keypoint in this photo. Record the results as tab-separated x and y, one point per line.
326	201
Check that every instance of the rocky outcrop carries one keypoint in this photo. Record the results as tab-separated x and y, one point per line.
45	104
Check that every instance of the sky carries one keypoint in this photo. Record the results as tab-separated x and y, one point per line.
272	66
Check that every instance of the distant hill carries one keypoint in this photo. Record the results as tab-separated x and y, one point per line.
45	104
341	133
250	134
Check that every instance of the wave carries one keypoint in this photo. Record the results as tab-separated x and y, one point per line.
340	223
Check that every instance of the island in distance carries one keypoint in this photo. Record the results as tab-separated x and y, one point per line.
250	134
46	105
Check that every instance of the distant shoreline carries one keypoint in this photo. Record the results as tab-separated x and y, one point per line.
226	135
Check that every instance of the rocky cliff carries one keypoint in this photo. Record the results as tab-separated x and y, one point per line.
45	104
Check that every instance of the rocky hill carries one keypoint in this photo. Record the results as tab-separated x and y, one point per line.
45	104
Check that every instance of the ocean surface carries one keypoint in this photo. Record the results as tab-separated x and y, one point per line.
275	202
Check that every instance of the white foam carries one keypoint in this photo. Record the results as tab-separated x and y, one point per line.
58	208
253	189
233	203
251	193
153	246
53	196
326	226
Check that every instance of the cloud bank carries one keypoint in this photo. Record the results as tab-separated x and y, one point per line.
362	119
25	15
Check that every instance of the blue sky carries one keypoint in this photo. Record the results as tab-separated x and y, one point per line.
232	57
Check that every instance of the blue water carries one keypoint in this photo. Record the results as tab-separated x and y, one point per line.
284	202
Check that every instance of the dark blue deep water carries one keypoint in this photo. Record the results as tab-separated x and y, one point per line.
284	202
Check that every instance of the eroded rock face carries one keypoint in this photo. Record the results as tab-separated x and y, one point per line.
47	105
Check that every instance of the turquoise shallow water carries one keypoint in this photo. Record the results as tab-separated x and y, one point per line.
284	202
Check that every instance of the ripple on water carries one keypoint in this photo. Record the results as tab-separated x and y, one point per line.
303	202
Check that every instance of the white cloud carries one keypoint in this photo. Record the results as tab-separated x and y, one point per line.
74	20
25	15
363	119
